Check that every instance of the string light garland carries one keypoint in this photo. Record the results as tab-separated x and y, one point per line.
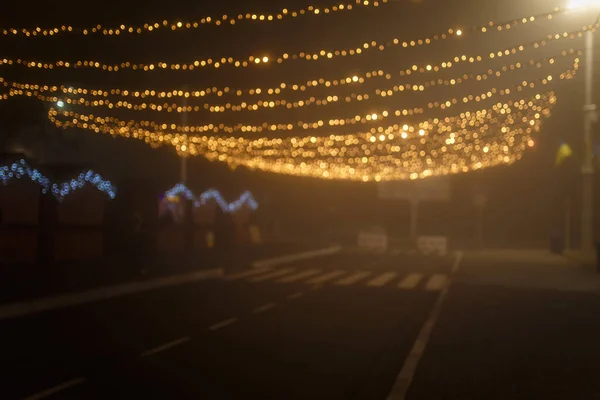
21	169
254	60
140	130
353	80
246	198
224	20
472	140
438	146
153	93
267	104
371	117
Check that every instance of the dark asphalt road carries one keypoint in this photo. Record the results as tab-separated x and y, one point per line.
320	329
338	341
500	343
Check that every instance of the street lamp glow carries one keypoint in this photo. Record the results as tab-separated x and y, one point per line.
575	4
60	104
587	170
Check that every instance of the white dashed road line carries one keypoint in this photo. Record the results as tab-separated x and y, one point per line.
325	278
382	279
436	282
299	276
353	278
58	388
222	324
407	373
411	281
263	308
245	274
271	275
165	346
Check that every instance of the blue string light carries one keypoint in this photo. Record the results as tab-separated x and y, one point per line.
245	198
20	169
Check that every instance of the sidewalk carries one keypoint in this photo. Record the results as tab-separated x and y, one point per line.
532	268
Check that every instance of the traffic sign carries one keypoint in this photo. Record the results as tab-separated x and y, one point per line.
429	189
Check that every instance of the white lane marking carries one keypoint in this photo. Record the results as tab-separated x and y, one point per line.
295	295
263	308
245	274
222	324
271	275
273	262
66	300
299	276
58	388
165	346
325	278
382	279
407	373
436	282
411	281
349	280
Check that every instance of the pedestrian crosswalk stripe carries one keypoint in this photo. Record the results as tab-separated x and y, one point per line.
349	280
271	275
436	282
382	279
299	276
325	278
411	281
245	274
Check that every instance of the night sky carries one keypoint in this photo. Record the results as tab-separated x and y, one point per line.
525	198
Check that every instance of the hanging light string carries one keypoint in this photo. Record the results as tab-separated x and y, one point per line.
481	139
423	133
165	25
20	170
226	20
246	198
372	117
295	87
344	150
254	60
260	105
426	134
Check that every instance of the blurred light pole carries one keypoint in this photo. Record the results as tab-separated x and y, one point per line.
184	121
589	108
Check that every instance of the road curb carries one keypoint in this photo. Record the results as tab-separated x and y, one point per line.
51	303
273	262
